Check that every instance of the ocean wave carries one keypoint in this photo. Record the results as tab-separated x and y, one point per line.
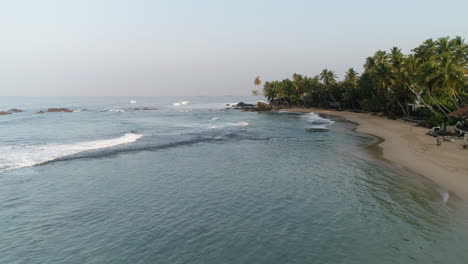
181	103
318	121
116	110
444	194
20	156
158	142
214	119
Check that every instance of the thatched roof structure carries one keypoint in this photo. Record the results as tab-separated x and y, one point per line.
461	113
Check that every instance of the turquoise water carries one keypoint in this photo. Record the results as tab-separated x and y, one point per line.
195	183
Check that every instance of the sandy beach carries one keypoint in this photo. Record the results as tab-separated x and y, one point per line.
409	147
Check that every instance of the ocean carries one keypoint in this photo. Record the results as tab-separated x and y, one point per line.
194	182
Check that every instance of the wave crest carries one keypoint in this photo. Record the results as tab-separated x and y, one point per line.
26	156
318	121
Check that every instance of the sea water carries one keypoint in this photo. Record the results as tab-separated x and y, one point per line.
194	182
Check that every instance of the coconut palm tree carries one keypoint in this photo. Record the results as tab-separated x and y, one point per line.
328	79
257	83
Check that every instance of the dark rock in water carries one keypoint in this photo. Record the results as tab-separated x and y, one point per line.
40	112
55	110
14	110
145	108
5	113
84	109
244	106
317	129
261	106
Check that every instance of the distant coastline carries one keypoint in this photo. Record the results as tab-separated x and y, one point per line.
409	147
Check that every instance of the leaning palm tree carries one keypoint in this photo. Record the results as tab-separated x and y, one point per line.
444	74
257	83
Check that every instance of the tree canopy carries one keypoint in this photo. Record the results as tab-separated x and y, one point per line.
432	80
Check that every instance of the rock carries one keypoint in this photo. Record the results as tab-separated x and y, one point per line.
40	112
4	113
55	110
14	110
244	106
262	106
84	109
317	129
145	108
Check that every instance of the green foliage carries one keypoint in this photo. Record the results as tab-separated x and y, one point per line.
435	119
373	104
434	75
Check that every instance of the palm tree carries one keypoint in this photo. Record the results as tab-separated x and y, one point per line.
328	79
444	73
351	77
257	83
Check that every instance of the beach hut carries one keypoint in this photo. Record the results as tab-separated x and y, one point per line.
462	116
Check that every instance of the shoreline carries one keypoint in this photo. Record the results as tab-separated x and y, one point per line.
403	144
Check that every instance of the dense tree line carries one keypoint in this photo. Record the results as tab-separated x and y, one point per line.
430	82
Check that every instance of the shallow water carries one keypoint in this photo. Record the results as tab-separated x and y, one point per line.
194	183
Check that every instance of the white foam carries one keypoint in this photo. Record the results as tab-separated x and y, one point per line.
214	119
243	123
20	156
181	103
132	102
318	121
116	110
444	194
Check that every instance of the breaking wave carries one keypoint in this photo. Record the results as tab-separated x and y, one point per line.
159	142
20	156
318	121
181	103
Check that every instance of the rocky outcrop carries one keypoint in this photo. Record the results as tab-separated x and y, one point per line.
145	109
40	112
243	106
4	113
56	110
262	106
14	110
84	109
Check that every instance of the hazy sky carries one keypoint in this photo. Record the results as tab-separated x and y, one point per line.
201	47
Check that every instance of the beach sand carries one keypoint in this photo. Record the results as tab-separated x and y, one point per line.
408	146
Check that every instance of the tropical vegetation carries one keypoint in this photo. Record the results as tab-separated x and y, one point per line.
429	82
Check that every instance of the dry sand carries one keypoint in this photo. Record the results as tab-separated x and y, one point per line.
410	147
